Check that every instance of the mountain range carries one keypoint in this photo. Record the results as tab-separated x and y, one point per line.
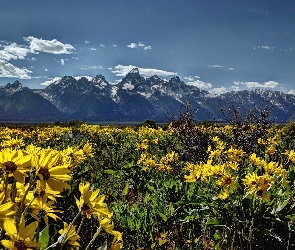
134	98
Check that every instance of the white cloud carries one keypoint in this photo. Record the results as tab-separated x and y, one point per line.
269	84
200	84
33	59
190	78
194	81
13	51
231	68
91	67
89	78
252	84
62	61
76	58
121	70
9	70
87	42
235	88
215	66
264	47
46	83
139	45
219	91
49	46
92	48
102	45
292	91
132	45
114	45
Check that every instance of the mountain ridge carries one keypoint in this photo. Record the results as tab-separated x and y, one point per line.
134	98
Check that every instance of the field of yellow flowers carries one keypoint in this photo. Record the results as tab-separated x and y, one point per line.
180	186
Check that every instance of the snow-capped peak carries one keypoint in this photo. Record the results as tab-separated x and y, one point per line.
14	87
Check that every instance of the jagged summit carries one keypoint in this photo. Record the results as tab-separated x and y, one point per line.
12	88
66	78
134	71
16	84
133	74
98	77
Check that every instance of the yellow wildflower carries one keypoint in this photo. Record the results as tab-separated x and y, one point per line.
224	194
71	235
291	155
91	203
13	143
44	209
15	162
261	141
234	154
88	150
49	172
195	171
271	149
21	239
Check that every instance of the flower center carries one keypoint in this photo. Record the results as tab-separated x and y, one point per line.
44	171
227	181
42	213
39	193
259	192
20	245
10	166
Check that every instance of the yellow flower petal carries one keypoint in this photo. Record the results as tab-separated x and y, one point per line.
7	244
9	227
28	231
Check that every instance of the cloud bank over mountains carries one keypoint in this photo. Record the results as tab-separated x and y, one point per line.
14	51
121	70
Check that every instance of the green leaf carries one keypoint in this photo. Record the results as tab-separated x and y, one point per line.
147	197
191	218
44	237
163	216
290	216
125	190
217	236
151	188
282	205
214	221
171	209
110	171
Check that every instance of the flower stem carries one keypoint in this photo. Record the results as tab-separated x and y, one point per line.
69	228
94	237
80	226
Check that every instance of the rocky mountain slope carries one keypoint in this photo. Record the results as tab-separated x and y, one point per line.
18	102
134	98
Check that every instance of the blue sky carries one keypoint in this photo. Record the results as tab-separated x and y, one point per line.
215	45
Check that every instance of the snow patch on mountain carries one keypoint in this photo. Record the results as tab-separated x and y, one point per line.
128	86
114	95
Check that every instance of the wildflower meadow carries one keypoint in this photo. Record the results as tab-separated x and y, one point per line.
184	185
